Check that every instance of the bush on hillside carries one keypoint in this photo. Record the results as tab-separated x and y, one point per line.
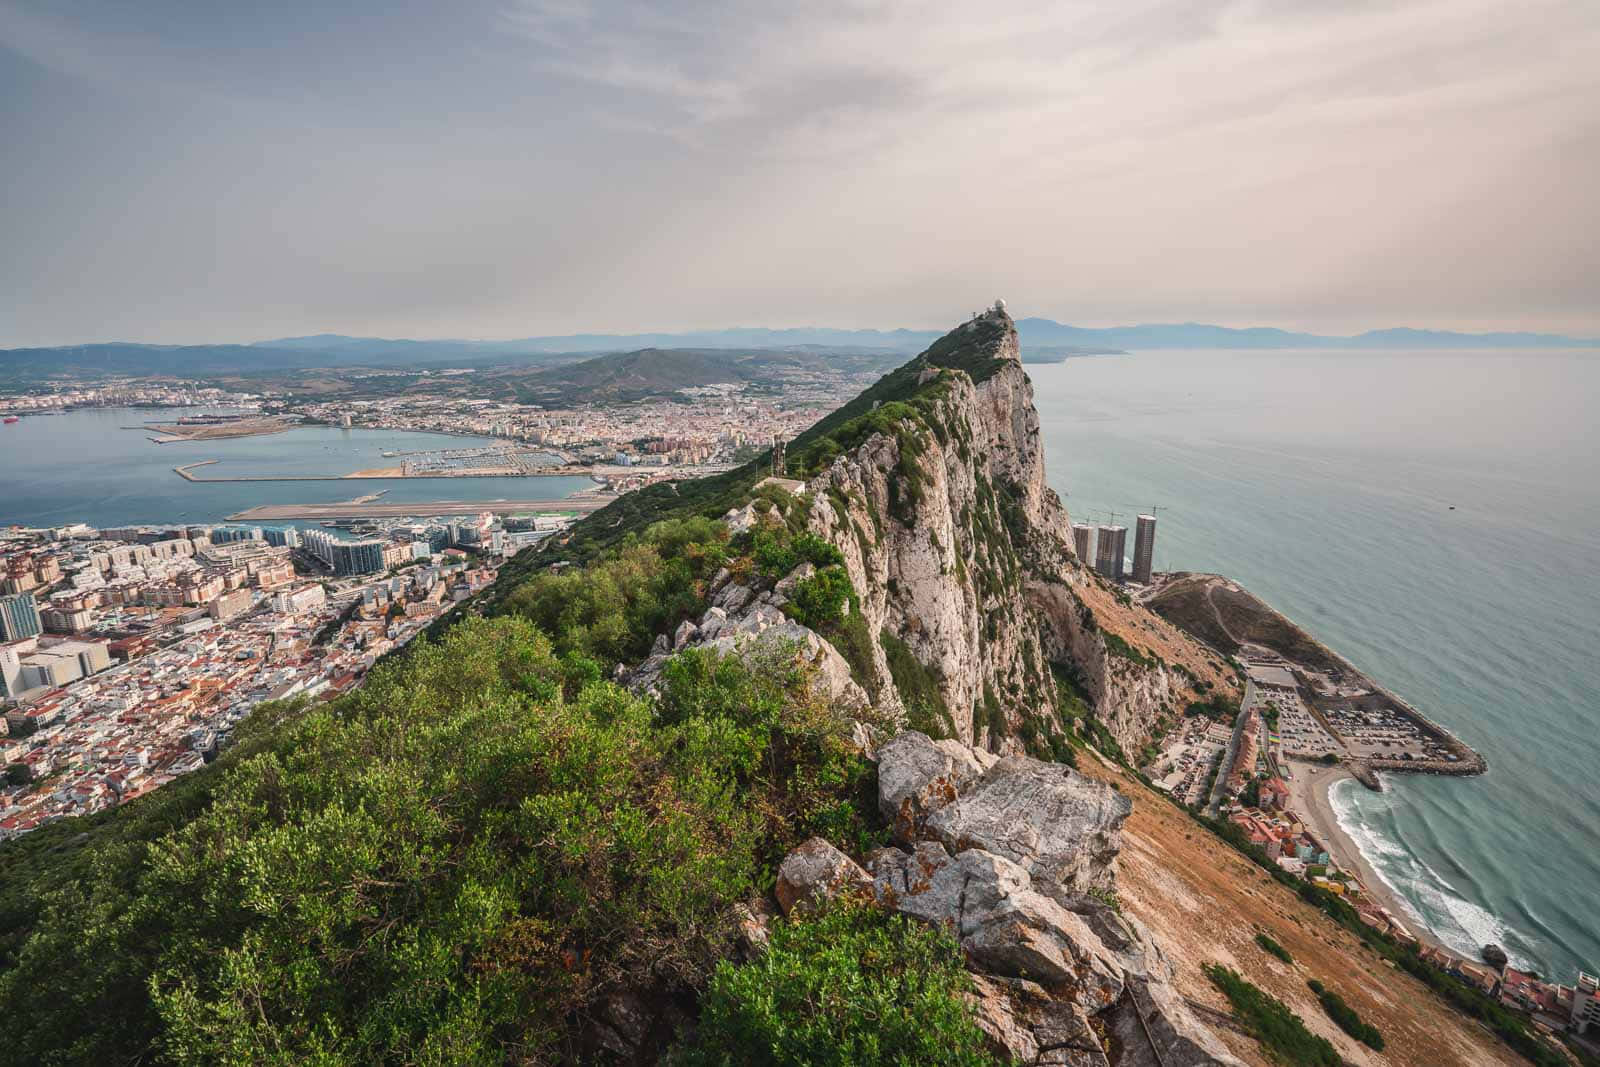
1280	1031
821	600
852	986
1348	1019
1272	948
613	609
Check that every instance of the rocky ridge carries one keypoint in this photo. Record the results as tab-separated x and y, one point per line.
1014	858
960	554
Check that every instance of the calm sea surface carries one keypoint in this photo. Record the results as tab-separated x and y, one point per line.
83	467
1324	483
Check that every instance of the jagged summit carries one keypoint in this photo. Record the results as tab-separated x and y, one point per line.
979	346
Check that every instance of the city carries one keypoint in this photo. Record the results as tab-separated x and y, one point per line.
129	654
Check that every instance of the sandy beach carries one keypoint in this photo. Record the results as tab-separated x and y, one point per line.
1308	797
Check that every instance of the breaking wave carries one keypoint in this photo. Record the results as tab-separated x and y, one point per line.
1428	898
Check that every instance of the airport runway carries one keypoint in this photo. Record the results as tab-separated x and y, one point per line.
393	510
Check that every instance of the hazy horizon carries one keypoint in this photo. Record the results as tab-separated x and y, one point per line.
502	169
694	336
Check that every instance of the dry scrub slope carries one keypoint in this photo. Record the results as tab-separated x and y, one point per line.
1205	903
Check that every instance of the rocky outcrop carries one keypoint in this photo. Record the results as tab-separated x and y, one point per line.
1015	859
1025	1024
746	622
959	550
918	775
1062	828
959	554
1058	825
816	873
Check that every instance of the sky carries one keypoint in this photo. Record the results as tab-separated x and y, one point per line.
185	173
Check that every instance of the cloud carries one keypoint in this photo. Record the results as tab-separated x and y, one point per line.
507	167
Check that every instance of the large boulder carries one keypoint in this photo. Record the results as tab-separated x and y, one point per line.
985	901
955	892
1031	936
918	775
815	873
1022	1023
1063	828
1127	940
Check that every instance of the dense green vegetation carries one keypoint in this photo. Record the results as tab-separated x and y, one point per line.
1272	948
613	610
1281	1032
1347	1018
821	600
453	864
852	986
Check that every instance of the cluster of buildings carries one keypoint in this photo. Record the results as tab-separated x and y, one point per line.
123	393
1189	762
128	656
1574	1008
704	426
1289	842
1105	549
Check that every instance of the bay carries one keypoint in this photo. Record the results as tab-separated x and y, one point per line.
84	467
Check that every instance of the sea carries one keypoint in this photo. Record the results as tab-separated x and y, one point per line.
1435	518
88	466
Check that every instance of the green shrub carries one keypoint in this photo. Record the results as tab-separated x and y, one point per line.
820	600
1280	1031
815	551
852	986
1347	1018
613	609
1272	948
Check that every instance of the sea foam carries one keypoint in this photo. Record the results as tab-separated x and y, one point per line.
1427	896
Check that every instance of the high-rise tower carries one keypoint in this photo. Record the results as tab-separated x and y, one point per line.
19	617
1144	549
1109	550
1083	542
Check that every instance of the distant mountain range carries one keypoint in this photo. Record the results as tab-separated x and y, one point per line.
337	350
1031	331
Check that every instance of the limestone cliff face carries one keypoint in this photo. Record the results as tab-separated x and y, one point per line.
960	551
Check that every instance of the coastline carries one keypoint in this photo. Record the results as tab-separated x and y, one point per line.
1310	798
